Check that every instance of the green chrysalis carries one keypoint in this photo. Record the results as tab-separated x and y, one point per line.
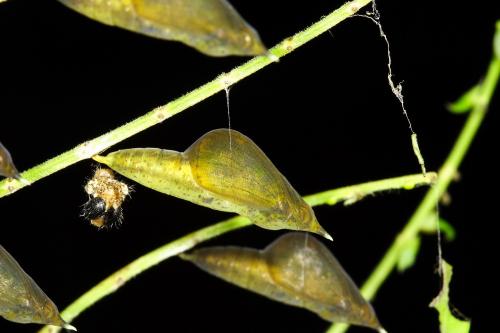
7	167
295	269
21	299
212	27
223	170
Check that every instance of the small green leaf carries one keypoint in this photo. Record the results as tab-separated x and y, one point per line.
446	228
448	322
496	41
408	254
466	102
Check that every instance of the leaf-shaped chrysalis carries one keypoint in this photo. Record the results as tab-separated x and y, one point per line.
7	167
223	170
295	269
21	299
212	27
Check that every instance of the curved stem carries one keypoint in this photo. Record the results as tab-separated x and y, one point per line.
158	115
116	280
446	174
120	277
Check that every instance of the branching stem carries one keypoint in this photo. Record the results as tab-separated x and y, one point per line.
120	277
428	204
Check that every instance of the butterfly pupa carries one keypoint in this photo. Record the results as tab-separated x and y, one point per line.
212	27
295	269
7	167
21	299
223	170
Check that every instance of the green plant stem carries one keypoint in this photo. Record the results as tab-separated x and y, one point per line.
351	194
428	204
158	115
116	280
120	277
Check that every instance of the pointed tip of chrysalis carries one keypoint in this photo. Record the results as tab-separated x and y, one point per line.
319	230
327	236
69	327
100	159
62	323
382	330
261	49
186	256
322	232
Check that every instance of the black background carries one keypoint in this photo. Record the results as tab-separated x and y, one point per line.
324	114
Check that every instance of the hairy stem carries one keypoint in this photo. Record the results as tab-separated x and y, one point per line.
158	115
351	194
446	174
120	277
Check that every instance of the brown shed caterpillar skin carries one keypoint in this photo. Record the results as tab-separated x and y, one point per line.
295	269
224	171
106	196
21	299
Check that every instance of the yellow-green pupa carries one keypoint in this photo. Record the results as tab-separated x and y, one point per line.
7	167
21	299
212	27
223	170
295	269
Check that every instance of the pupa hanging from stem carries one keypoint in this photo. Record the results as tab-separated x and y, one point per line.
295	269
21	299
212	27
7	167
223	170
